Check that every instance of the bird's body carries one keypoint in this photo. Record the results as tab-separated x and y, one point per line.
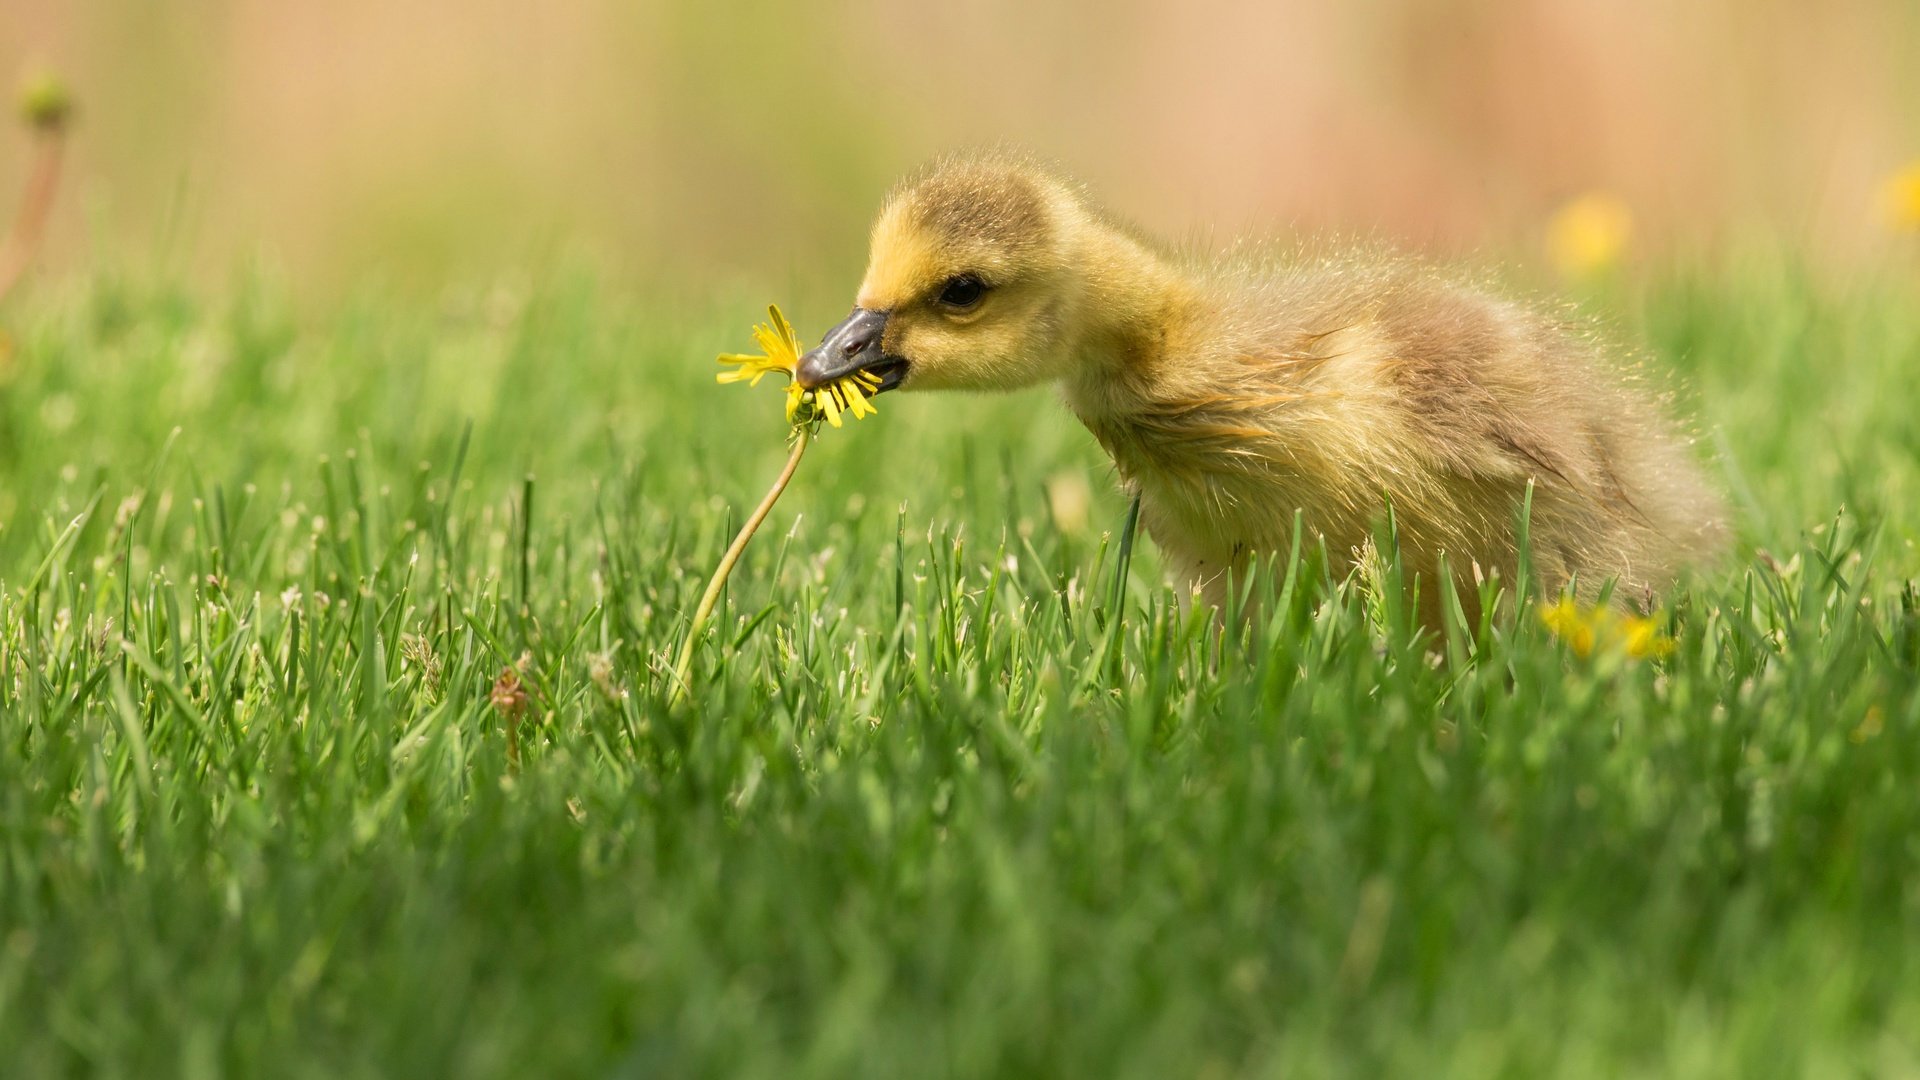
1338	388
1237	394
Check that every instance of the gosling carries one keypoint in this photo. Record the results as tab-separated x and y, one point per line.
1235	393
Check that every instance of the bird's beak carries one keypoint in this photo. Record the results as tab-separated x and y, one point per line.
854	345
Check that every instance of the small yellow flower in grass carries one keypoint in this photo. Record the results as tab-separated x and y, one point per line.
1642	637
1589	234
1585	630
1567	624
780	352
1900	198
1870	725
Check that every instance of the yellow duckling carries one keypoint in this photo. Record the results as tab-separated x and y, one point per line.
1234	391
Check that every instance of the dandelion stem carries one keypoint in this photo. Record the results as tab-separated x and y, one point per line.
18	246
683	670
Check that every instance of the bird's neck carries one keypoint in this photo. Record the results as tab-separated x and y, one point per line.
1132	307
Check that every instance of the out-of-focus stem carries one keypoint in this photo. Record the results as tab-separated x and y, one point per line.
22	242
683	671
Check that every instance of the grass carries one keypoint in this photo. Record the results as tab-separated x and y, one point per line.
940	806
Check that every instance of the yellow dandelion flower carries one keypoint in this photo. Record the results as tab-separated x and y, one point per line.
1569	625
1641	637
780	352
1585	630
1900	198
1589	234
779	346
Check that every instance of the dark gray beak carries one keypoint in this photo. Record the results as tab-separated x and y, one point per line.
854	345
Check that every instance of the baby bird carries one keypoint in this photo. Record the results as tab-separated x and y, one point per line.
1235	392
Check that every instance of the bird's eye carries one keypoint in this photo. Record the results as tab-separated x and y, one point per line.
962	292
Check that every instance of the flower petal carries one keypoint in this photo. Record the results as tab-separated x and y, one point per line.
789	340
857	402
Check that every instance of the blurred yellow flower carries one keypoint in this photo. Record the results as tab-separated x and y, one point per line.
1642	637
1566	623
1069	500
1870	725
1585	630
44	103
1900	198
780	352
1588	235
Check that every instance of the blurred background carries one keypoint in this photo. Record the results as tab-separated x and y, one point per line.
407	144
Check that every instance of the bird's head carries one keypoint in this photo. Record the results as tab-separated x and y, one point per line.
977	278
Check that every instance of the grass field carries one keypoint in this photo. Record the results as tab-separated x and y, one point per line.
932	812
